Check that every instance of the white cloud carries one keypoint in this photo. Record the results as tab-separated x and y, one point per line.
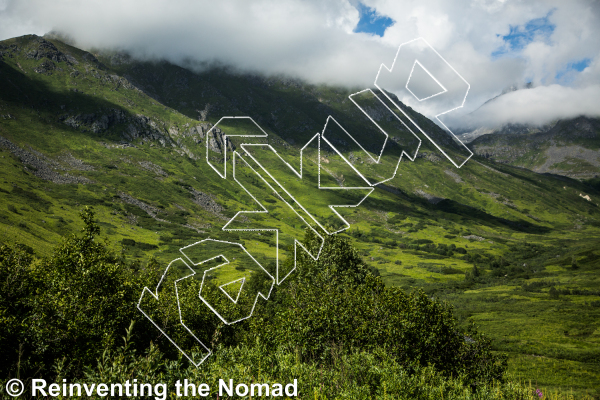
314	40
537	106
308	39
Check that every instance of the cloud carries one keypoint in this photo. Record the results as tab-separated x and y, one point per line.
540	41
519	36
308	39
537	106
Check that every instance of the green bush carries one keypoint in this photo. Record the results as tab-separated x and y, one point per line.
335	304
354	375
334	326
70	305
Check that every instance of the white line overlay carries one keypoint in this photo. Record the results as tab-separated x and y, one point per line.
452	87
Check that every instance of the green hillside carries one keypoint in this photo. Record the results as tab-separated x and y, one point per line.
515	252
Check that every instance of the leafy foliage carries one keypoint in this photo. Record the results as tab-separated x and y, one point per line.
336	305
66	311
67	306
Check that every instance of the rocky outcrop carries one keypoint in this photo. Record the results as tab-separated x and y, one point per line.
429	156
95	122
198	133
41	166
8	51
150	166
149	209
75	163
453	175
142	127
203	114
474	237
138	126
41	49
117	80
216	141
45	67
48	50
207	202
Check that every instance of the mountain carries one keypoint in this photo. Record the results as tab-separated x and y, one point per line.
567	147
129	138
131	134
517	129
469	130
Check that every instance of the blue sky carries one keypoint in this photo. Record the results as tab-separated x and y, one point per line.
519	36
566	75
537	29
372	22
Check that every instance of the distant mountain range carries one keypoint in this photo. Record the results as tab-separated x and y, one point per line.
569	147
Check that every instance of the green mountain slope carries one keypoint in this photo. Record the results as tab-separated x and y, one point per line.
128	138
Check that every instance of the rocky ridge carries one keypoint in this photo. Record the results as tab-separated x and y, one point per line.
569	143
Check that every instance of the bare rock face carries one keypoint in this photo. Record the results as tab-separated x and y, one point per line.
216	137
216	141
118	81
429	156
150	166
45	67
140	126
3	51
9	51
148	208
203	114
38	49
95	122
46	49
208	203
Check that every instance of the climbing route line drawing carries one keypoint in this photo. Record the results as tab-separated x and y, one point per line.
337	168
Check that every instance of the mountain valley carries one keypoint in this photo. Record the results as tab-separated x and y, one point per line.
497	238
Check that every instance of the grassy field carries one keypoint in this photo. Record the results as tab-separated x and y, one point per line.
515	252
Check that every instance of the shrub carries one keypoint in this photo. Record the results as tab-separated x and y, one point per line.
334	326
335	305
69	305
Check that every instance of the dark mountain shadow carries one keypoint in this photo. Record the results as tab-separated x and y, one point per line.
483	218
22	92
